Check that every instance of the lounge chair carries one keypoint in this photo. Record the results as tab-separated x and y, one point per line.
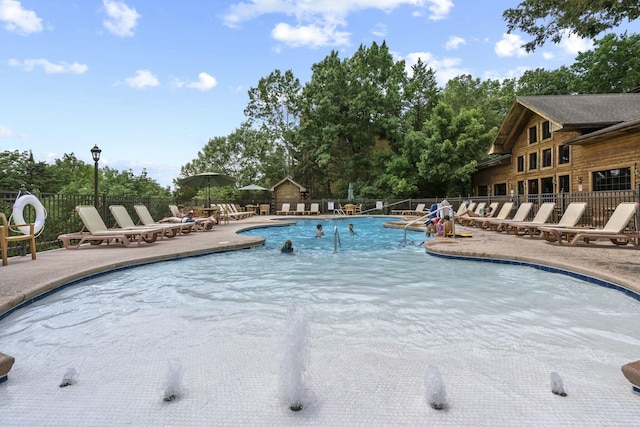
419	210
299	209
174	210
462	219
124	221
613	230
284	210
499	224
6	237
504	213
235	214
314	209
96	232
541	217
471	219
172	228
570	218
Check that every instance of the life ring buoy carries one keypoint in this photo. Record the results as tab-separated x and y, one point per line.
18	210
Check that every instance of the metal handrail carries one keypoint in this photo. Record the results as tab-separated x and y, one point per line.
426	215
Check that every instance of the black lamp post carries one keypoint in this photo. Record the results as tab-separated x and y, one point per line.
95	153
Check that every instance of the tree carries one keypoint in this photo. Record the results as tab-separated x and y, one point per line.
552	19
453	145
421	94
544	82
613	65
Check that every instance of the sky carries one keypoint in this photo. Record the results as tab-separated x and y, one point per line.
152	81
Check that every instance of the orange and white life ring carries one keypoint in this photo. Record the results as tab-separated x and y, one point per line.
18	213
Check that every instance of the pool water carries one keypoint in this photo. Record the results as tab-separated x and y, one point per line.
378	317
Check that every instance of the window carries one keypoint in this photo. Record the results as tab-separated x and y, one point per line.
500	189
520	187
521	164
533	135
533	161
546	184
483	190
546	130
563	183
546	158
533	186
563	154
614	179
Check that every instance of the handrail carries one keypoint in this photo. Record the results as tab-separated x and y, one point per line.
336	239
453	221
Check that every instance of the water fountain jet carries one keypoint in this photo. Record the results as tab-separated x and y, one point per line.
173	383
295	356
556	384
436	393
69	378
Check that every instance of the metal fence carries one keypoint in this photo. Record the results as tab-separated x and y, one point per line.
62	218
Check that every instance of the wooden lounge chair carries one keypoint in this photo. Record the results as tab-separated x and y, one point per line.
314	209
96	232
7	236
124	221
504	213
299	209
500	224
541	217
570	218
284	210
613	230
172	228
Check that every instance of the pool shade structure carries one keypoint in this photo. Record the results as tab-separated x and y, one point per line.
252	187
207	180
350	196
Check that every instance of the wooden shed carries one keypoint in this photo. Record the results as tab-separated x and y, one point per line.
288	191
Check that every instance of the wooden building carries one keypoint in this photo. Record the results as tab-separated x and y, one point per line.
287	191
564	143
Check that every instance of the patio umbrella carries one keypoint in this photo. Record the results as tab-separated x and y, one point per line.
350	193
252	187
208	180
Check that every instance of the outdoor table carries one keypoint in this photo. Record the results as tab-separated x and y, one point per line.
350	209
265	209
253	208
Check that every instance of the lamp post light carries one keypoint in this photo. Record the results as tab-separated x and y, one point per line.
95	153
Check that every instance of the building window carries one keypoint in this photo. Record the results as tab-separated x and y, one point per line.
546	130
533	135
521	164
546	158
614	179
500	189
563	183
563	154
533	186
546	185
520	187
483	190
533	161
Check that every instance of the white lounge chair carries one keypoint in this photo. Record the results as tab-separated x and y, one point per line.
500	224
570	218
299	209
172	227
314	209
541	217
95	231
125	222
284	210
613	230
504	213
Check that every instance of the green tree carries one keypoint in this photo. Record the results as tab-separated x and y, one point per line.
452	146
551	19
544	82
421	94
19	170
613	65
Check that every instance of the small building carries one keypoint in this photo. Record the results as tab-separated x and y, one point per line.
287	191
564	143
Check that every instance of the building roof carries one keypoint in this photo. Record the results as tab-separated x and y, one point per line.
628	127
301	187
583	113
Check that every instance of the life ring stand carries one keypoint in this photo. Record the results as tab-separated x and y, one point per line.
18	213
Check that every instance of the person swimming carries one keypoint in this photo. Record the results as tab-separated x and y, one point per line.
287	248
319	232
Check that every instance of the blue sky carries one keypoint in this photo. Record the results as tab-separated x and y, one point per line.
151	81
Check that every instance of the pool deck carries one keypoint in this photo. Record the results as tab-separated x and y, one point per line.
24	279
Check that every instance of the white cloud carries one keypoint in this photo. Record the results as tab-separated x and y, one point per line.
446	68
573	44
121	19
309	35
205	82
49	67
6	132
316	22
454	42
143	79
18	19
510	45
379	30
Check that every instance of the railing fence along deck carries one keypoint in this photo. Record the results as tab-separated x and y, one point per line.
62	218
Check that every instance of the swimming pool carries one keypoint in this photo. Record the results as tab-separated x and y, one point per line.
378	318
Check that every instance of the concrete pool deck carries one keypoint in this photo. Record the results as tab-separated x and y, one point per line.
24	279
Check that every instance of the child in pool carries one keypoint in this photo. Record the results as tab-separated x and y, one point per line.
287	248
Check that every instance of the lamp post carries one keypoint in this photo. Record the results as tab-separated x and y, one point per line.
95	153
